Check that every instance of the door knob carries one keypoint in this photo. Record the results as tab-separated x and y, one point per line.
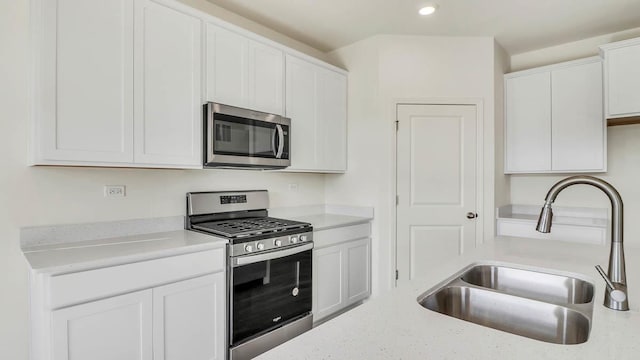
471	215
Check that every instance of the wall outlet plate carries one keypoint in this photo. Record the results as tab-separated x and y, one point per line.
115	191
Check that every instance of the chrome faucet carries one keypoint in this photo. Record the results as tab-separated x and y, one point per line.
615	296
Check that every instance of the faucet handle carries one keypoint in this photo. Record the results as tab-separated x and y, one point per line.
615	294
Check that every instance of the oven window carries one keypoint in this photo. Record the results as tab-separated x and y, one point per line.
268	294
245	137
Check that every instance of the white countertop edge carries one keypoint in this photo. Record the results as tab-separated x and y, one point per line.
576	216
325	217
92	254
34	236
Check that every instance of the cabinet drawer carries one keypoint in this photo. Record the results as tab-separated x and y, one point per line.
74	288
324	238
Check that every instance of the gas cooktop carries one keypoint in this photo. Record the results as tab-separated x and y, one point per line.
246	227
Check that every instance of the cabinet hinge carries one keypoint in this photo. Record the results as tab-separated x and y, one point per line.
396	274
397	199
397	125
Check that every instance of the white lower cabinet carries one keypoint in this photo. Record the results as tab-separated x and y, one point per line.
188	321
358	270
328	281
114	328
164	309
341	270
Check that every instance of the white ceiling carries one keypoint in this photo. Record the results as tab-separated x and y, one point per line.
518	25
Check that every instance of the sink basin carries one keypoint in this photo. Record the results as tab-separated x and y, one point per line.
539	305
541	286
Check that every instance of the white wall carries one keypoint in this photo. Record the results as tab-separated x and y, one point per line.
55	195
623	147
623	173
502	181
233	18
387	68
569	51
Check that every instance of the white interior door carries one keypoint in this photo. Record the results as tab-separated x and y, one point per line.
436	184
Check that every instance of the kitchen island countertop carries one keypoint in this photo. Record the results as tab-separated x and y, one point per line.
395	326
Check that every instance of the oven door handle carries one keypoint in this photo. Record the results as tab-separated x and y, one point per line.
245	260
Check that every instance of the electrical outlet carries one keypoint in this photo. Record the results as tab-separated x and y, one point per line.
115	191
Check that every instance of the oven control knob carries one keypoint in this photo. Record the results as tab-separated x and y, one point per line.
277	242
260	246
303	237
248	248
293	239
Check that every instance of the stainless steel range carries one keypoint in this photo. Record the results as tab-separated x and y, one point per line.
269	268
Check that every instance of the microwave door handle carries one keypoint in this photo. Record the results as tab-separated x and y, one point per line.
274	145
280	141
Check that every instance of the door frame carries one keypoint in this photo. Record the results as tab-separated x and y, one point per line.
480	172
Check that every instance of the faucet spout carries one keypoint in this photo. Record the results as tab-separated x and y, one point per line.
616	270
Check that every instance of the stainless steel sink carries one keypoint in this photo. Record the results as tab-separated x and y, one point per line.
538	305
541	286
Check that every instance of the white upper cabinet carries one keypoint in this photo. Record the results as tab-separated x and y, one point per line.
554	119
168	113
243	72
117	83
578	126
227	69
266	78
84	81
122	83
316	102
622	78
332	117
528	123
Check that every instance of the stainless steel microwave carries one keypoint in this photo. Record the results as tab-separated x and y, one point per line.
236	137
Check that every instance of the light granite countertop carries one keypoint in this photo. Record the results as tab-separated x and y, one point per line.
82	255
326	221
395	326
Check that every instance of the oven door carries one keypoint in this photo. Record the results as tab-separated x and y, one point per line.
245	138
268	291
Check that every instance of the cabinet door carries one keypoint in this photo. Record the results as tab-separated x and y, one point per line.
266	78
358	255
84	86
528	123
331	120
328	281
301	103
189	319
578	124
114	328
623	81
168	110
227	67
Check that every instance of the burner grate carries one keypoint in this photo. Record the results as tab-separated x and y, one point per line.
248	226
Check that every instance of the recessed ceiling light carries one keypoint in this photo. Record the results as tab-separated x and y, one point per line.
427	10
